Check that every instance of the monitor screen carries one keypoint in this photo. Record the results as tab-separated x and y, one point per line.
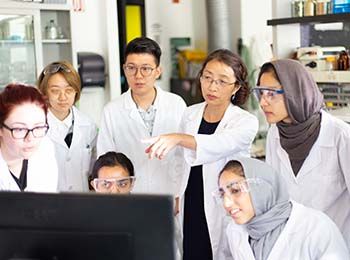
85	226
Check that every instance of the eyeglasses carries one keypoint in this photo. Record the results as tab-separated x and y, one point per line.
22	133
235	188
120	185
208	80
131	70
54	68
269	93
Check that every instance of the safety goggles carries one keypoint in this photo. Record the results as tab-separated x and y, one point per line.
114	185
268	93
54	68
235	189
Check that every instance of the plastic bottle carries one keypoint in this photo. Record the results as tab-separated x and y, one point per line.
309	8
330	63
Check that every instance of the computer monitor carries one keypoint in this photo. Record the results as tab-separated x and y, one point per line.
85	226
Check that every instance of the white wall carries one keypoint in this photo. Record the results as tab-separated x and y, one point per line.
254	20
95	30
165	20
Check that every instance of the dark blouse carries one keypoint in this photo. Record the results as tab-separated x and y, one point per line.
22	181
196	242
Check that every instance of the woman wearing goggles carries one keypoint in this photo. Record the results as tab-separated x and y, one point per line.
266	223
308	145
113	173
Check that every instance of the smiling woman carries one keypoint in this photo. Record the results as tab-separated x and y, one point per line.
27	161
267	224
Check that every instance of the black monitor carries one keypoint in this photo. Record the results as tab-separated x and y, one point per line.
85	226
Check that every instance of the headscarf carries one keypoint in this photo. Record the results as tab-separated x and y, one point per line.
303	101
270	199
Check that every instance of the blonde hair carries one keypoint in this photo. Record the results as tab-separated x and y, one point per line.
67	70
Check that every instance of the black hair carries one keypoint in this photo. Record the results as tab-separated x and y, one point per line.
239	68
233	166
267	68
111	159
144	45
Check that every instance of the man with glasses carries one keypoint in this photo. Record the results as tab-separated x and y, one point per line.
142	112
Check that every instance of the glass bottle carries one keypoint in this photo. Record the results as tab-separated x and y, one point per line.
343	61
51	30
297	8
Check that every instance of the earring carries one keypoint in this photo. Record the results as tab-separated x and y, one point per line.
232	98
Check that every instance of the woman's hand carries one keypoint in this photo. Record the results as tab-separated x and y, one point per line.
161	145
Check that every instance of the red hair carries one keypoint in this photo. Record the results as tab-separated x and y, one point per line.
16	94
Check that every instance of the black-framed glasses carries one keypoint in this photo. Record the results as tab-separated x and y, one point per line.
131	70
22	133
208	80
55	67
269	93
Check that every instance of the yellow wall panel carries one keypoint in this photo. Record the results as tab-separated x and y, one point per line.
133	22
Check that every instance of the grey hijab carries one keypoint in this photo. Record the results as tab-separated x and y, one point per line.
304	102
271	203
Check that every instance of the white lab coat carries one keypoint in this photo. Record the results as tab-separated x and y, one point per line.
74	163
122	130
41	173
323	181
232	139
308	235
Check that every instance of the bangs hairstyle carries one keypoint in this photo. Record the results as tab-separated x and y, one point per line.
240	72
143	45
67	71
17	94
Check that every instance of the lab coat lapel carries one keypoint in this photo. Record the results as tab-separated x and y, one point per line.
225	119
159	118
54	131
194	120
132	108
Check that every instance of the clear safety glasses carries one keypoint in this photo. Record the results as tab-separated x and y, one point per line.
268	93
235	189
114	185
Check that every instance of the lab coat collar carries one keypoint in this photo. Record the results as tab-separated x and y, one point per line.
325	139
79	121
290	229
326	132
129	104
195	118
